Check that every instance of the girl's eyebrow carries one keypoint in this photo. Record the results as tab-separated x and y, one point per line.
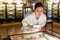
39	11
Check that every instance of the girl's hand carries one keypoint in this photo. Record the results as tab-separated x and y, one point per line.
30	27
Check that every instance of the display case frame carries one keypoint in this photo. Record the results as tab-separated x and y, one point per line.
34	35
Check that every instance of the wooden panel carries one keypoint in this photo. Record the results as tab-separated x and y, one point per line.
56	24
3	32
10	29
11	24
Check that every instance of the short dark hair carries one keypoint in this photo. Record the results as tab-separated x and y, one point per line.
38	4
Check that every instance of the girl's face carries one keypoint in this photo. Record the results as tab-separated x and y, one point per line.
39	10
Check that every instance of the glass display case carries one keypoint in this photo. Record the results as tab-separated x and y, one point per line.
19	11
10	11
33	36
55	10
59	10
49	18
2	11
27	11
49	12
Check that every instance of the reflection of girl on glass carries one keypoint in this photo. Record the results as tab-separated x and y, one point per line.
35	18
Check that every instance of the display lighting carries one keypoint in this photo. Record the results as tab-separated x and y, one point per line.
50	1
9	1
18	1
55	1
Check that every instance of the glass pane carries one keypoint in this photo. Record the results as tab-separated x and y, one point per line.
19	11
55	10
33	36
10	11
59	10
2	11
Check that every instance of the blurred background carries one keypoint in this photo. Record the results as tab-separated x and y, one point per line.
12	13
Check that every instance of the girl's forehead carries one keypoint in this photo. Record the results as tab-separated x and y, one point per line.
39	8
